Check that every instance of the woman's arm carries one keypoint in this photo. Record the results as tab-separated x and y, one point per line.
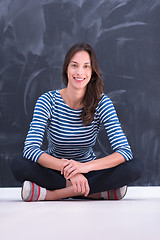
109	161
108	117
32	149
41	116
48	161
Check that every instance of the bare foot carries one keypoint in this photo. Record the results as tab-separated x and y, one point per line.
95	196
68	183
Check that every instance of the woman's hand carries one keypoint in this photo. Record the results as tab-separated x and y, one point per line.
80	184
70	168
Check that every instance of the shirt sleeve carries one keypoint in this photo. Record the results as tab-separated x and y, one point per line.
109	118
42	114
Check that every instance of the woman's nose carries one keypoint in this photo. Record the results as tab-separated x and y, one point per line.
80	71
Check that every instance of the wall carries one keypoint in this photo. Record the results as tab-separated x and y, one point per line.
34	37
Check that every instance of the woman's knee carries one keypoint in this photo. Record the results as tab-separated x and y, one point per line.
18	169
136	168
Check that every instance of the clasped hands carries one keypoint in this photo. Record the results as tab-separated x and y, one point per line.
72	170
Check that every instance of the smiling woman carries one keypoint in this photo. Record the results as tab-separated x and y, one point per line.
85	62
79	73
72	118
80	69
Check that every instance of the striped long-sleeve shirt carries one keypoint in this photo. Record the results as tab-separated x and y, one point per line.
66	135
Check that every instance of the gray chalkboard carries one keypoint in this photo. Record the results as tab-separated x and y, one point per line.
125	34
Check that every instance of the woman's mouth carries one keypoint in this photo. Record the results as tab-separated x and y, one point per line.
79	79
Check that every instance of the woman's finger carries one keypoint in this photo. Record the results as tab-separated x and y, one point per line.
87	190
62	168
75	187
64	165
73	173
83	188
67	167
68	171
79	188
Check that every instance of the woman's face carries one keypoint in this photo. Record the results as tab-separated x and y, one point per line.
79	70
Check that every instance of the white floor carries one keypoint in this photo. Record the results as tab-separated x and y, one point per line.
137	216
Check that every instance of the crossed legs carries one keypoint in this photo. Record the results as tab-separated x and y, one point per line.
58	188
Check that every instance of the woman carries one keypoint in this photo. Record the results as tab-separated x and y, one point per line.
72	118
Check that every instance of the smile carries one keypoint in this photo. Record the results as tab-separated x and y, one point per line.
79	79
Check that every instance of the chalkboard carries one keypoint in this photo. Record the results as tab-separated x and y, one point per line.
125	34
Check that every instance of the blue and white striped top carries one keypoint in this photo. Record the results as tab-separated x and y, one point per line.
66	135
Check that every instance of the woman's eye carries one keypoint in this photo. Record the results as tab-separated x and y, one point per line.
86	66
74	65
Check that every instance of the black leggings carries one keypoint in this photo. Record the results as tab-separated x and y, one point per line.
101	180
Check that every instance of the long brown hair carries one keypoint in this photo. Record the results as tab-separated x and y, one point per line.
95	86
